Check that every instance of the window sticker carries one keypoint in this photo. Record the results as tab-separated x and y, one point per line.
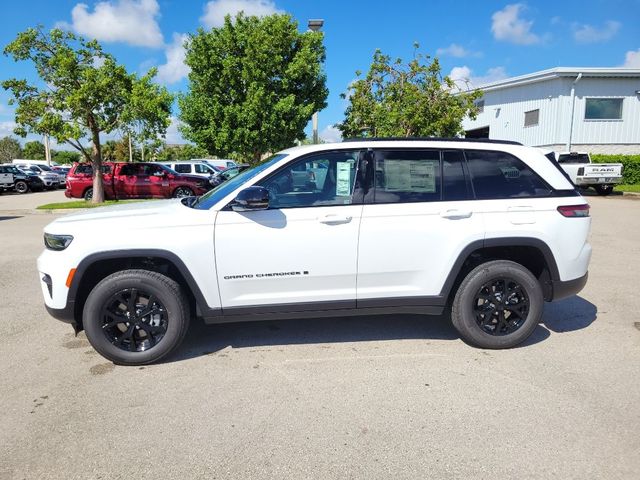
410	175
343	178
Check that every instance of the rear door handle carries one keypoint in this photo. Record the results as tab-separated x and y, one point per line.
455	214
335	219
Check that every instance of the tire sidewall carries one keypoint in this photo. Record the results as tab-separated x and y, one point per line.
92	320
463	316
24	187
88	194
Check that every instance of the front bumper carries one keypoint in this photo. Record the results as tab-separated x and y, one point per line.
564	289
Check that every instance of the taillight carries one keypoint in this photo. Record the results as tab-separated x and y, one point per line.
581	171
574	210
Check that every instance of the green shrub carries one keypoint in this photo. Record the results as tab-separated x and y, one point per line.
631	172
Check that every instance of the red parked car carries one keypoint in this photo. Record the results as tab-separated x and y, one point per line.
134	180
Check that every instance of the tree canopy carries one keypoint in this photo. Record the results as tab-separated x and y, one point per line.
34	150
9	149
396	99
254	85
83	93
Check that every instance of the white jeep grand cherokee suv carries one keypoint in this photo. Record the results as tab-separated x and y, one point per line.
487	229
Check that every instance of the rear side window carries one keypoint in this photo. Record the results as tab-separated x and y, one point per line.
497	175
454	182
86	169
182	168
406	176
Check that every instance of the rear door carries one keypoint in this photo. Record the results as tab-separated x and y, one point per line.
417	219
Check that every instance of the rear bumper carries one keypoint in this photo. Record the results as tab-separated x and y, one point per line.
564	289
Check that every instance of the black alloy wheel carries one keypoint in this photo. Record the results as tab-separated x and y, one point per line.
501	306
21	186
182	192
134	320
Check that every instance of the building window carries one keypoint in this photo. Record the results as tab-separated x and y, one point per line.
603	109
531	118
480	105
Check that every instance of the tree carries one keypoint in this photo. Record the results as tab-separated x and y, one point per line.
9	149
84	93
406	100
64	157
34	150
180	152
254	84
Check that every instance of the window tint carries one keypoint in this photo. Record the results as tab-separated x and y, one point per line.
183	168
603	109
573	158
86	169
323	179
531	118
501	175
454	183
403	176
202	168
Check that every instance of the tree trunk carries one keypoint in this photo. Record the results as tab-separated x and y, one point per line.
96	163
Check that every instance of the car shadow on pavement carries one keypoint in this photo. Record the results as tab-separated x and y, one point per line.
11	217
206	339
570	314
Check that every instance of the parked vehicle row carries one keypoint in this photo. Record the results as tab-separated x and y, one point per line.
134	180
15	179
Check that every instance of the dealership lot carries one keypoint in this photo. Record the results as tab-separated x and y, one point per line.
373	397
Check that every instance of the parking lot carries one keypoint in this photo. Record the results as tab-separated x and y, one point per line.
373	397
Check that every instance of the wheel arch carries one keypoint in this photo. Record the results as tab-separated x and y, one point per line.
532	253
93	268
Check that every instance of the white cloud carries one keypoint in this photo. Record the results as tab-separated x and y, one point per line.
632	59
458	51
6	128
129	21
509	27
174	69
330	134
464	78
173	134
590	34
216	10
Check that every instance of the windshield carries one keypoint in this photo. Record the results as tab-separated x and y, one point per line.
46	168
212	197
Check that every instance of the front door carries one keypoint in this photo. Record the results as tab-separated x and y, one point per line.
301	253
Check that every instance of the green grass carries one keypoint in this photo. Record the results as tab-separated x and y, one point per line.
627	188
82	204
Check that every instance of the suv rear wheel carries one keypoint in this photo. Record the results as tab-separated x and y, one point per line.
498	305
136	317
21	186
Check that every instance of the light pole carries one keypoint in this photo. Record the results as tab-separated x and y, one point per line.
315	25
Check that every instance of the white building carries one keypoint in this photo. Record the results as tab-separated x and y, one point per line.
587	109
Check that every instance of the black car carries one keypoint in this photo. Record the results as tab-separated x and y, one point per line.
23	181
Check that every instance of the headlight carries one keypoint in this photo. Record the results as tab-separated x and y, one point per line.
57	242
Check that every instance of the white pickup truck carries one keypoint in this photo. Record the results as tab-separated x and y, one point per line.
583	173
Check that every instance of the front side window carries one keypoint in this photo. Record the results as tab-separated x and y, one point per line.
603	109
322	179
406	176
201	168
498	175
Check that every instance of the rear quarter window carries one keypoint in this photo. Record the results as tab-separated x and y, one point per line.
499	175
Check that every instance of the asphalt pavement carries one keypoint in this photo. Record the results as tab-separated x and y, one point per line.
374	397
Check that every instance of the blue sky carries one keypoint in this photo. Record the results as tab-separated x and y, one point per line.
480	40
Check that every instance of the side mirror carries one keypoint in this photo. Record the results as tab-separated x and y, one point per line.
251	198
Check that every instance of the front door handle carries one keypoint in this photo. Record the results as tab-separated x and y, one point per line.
335	219
455	214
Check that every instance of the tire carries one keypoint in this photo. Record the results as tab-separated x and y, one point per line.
21	186
88	194
115	323
182	192
478	320
603	189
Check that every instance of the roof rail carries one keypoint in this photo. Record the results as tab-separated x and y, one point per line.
430	139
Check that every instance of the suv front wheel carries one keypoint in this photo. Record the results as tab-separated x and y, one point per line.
498	305
135	317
